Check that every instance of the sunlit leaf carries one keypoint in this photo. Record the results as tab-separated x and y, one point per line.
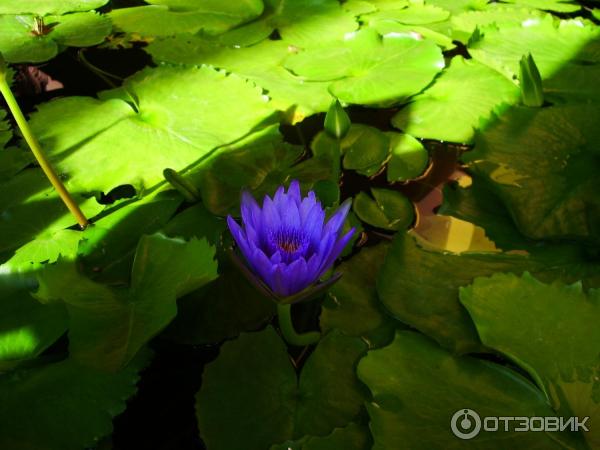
44	7
364	67
460	101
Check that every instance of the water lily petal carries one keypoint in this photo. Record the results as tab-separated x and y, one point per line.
337	220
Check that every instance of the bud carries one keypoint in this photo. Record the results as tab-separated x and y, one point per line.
337	122
531	82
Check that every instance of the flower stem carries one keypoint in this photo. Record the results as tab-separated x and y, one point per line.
284	312
35	147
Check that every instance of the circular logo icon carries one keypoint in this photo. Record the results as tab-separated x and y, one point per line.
465	424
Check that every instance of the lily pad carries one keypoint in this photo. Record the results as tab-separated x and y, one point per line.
167	18
171	128
549	330
408	158
303	23
44	7
415	382
5	132
20	43
260	63
419	285
352	305
459	6
551	189
497	14
365	68
559	50
352	437
389	210
365	149
31	208
414	14
560	6
272	406
87	399
108	325
460	101
28	326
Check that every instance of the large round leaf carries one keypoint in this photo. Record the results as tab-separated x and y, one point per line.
182	114
417	387
549	330
260	63
460	101
366	68
212	17
271	406
62	406
19	43
44	7
542	162
560	50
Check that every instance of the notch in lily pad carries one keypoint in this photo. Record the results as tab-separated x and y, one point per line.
530	80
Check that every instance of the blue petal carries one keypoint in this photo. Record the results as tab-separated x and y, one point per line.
337	220
239	236
294	192
278	280
250	210
336	250
313	225
279	195
295	276
270	215
307	204
263	266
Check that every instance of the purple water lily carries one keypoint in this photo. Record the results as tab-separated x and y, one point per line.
287	242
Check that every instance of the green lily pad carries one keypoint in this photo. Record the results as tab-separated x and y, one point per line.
459	6
549	330
389	210
419	285
28	326
195	222
46	248
260	63
352	437
86	399
415	382
551	189
364	67
408	158
171	128
414	14
167	18
498	14
260	164
31	208
18	43
392	27
559	50
108	326
460	101
221	310
365	149
44	7
560	6
272	406
301	23
12	161
352	305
